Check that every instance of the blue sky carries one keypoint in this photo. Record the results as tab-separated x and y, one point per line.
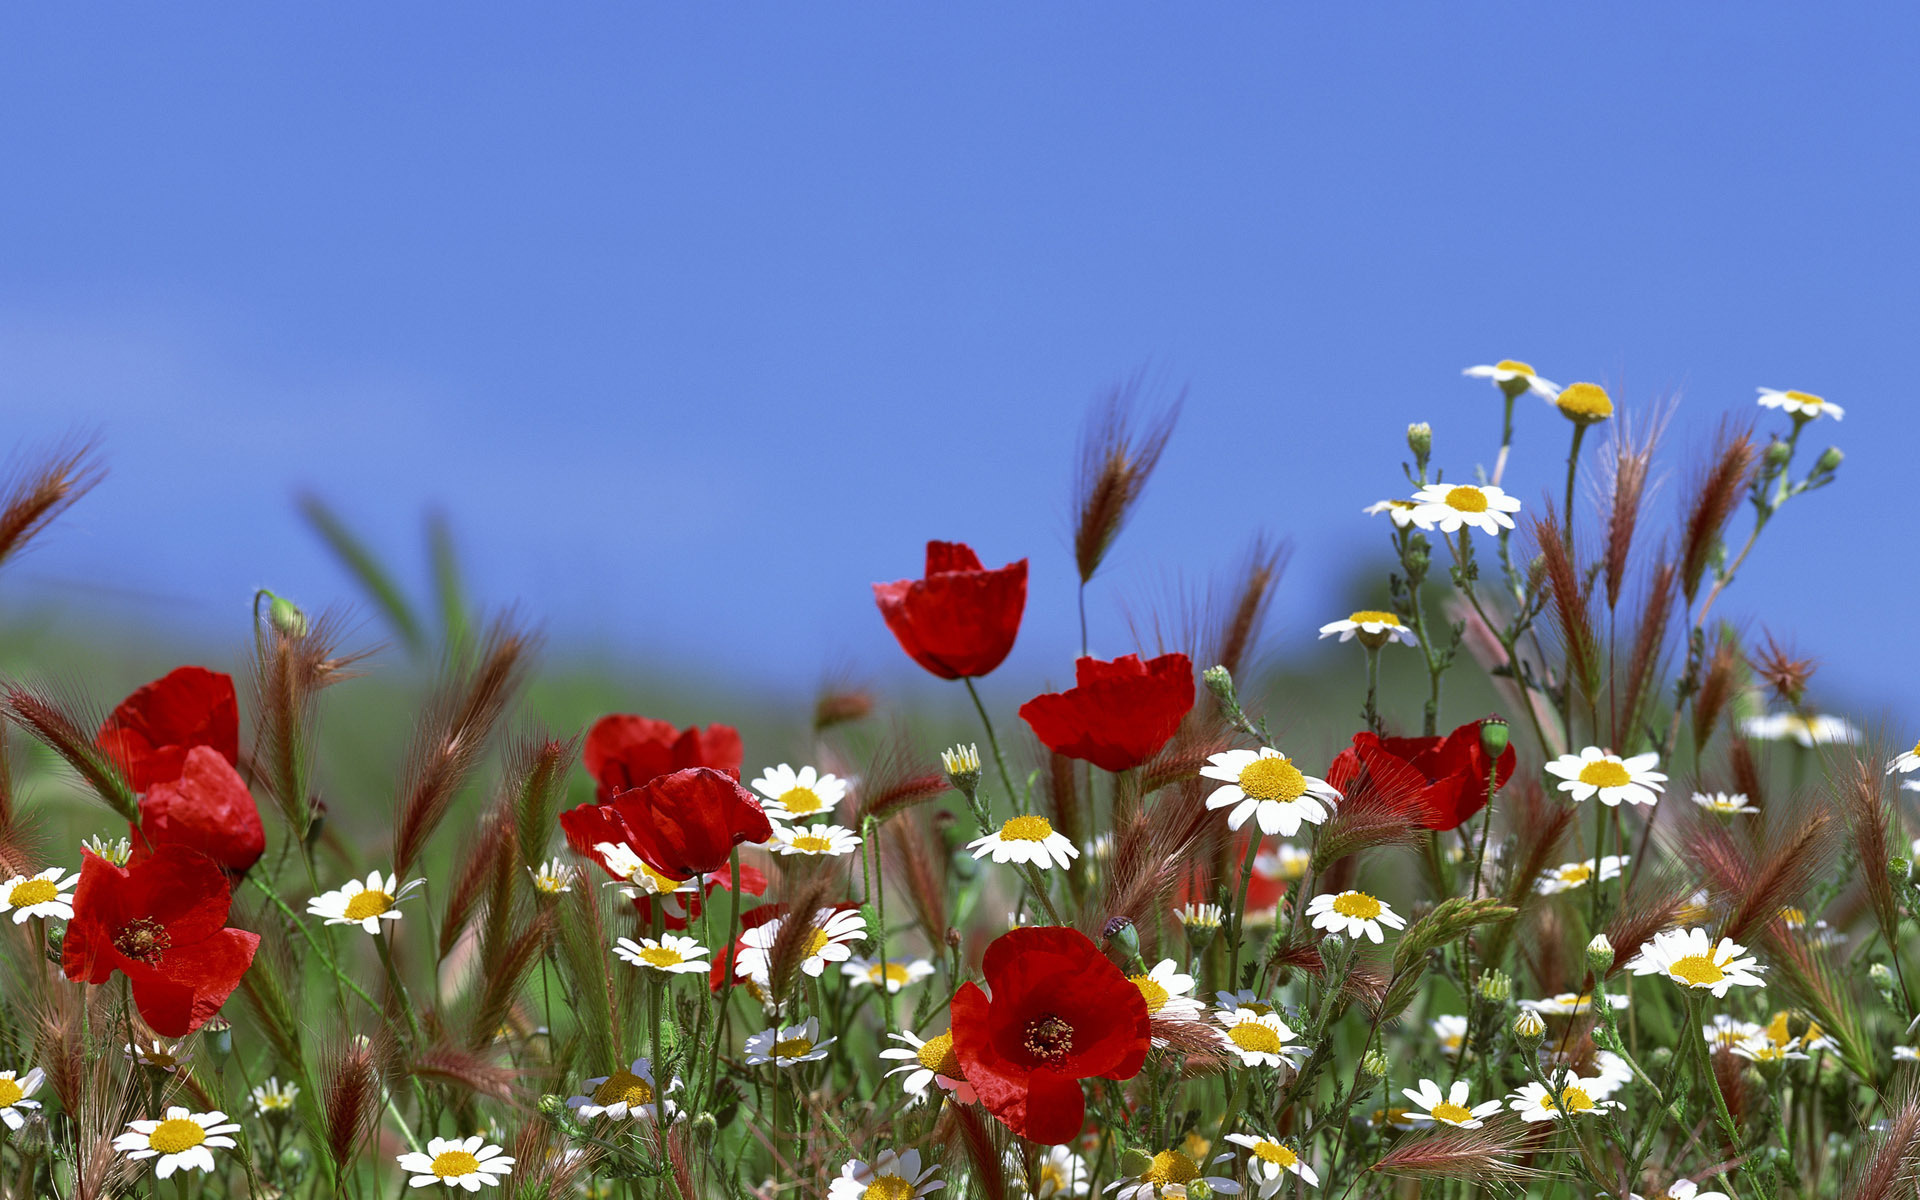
698	320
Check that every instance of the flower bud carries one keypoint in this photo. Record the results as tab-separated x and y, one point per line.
1122	938
1882	979
1199	1189
705	1128
293	1164
221	1031
1494	986
1829	460
1420	441
116	852
1494	735
953	938
551	1105
1219	681
1528	1029
1901	866
962	764
1599	954
56	942
1778	452
1375	1064
1584	403
287	617
1660	1057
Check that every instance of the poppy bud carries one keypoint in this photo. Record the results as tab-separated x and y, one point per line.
1661	1056
1528	1029
287	617
1121	936
1599	954
1829	460
1882	979
1493	736
222	1031
1420	441
56	951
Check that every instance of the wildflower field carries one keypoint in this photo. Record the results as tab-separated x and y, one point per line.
1637	932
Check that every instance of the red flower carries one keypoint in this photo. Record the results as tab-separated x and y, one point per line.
162	922
682	825
151	732
208	808
1440	781
1118	714
1060	1013
961	619
624	751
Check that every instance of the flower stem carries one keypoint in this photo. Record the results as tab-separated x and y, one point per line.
1006	776
1239	914
1573	471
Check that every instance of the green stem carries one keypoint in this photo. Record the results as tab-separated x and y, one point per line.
1239	913
993	743
1573	471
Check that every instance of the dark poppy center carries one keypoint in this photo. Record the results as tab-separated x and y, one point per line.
143	940
1048	1038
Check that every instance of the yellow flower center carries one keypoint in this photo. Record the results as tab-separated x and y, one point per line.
1151	992
938	1056
801	801
792	1048
454	1164
1275	1153
1171	1166
1254	1037
1513	364
33	891
655	881
813	845
1273	777
10	1093
661	956
1026	829
172	1137
1916	747
817	940
1370	616
1795	918
1585	402
1466	499
1807	398
624	1087
1605	774
888	1187
1356	904
1256	1007
367	904
891	973
1451	1113
1575	873
1697	970
1573	1099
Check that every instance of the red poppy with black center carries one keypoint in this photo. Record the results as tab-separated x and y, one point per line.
683	824
161	922
1059	1012
1441	782
154	729
624	751
1118	714
959	620
208	809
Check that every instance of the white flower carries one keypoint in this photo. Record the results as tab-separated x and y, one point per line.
1571	1004
1512	371
1487	509
1763	1049
1168	992
1575	1098
834	932
929	1062
1231	1002
674	955
553	877
642	879
1269	1160
632	1094
117	851
1284	861
156	1054
14	1090
895	973
792	794
1727	1032
1684	1189
1906	1054
1403	512
1168	1176
183	1141
274	1098
1205	916
1266	785
1450	1108
457	1163
1906	763
364	904
1800	404
42	895
1817	730
1450	1030
1027	839
1057	1171
823	839
889	1177
786	1047
1567	876
1593	772
1725	803
1690	958
1373	627
1354	914
1259	1038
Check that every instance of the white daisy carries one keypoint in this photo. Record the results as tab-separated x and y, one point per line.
553	877
889	1177
1269	1161
42	895
457	1163
1057	1172
639	874
1260	1039
1727	1032
1575	1098
1404	513
834	933
1168	1176
1593	772
1684	1189
1205	916
364	904
1229	1003
273	1098
1265	784
183	1141
926	1063
1906	763
1373	627
894	973
1804	405
1762	1049
1284	861
1571	1004
115	850
1691	959
1727	804
1567	876
1810	731
1487	509
794	794
1514	377
156	1054
668	953
1450	1030
1906	1054
1168	992
1450	1108
821	839
1354	914
632	1094
14	1090
786	1047
1027	839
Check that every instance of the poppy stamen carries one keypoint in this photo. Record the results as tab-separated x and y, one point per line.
143	939
1048	1038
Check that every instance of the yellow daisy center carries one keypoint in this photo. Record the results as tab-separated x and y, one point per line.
792	1048
176	1135
1697	970
33	891
1151	992
1275	1153
888	1187
1273	777
813	845
1256	1007
891	973
1573	1099
1807	398
1451	1113
1370	616
1795	918
1575	873
800	801
1466	499
454	1164
656	881
1605	774
1356	904
1585	402
661	956
817	940
10	1093
1171	1166
1916	748
624	1087
367	904
1026	829
1254	1037
1513	364
937	1056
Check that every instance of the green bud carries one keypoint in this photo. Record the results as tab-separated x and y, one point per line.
1901	866
1135	1163
56	941
287	617
1494	986
1122	939
705	1129
1778	452
1420	441
962	765
1660	1057
1219	681
1599	954
1199	1189
1375	1064
1494	735
1829	460
551	1106
1528	1030
1882	979
293	1164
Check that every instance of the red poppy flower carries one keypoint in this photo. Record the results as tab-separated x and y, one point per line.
1118	714
683	824
1060	1012
208	808
162	922
624	751
960	619
151	732
1441	781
